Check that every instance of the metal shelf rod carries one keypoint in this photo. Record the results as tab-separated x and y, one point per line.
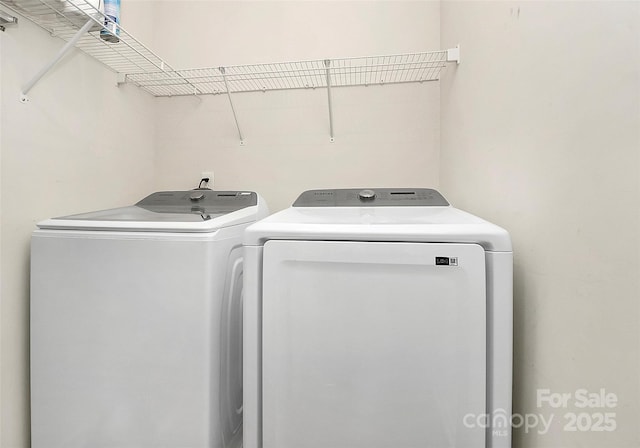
63	51
233	109
327	63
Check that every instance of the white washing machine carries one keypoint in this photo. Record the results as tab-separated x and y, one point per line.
136	313
377	319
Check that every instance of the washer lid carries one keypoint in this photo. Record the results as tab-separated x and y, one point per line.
182	211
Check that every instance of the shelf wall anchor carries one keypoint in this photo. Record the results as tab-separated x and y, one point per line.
327	64
63	51
233	109
453	54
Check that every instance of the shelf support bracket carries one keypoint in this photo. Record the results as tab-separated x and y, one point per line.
327	64
121	78
453	54
233	109
67	47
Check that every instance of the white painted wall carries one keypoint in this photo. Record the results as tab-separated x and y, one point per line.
384	135
80	144
541	134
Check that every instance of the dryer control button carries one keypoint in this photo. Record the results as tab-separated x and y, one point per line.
196	196
367	195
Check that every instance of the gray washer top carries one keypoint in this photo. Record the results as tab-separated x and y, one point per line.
371	197
198	201
175	206
180	211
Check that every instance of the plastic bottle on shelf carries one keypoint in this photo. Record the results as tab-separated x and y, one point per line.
111	30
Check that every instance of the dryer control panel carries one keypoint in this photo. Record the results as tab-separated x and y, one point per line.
372	197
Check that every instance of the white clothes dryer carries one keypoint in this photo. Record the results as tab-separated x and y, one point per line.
375	319
136	313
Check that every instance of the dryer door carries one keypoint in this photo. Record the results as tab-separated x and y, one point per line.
373	345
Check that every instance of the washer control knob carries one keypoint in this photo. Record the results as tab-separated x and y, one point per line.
196	196
367	195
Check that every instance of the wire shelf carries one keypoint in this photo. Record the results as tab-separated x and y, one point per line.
80	23
64	18
359	71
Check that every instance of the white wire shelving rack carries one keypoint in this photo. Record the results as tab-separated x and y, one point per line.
79	23
344	72
322	73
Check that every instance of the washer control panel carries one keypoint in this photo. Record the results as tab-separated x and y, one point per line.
198	201
372	197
